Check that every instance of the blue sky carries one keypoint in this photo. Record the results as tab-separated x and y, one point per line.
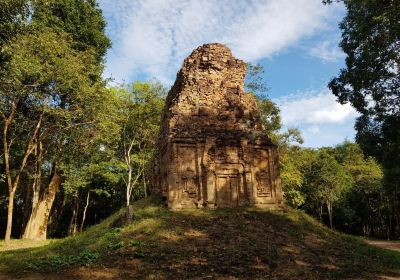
295	40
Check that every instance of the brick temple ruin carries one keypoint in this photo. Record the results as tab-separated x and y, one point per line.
213	150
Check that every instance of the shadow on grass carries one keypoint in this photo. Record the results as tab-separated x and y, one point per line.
241	243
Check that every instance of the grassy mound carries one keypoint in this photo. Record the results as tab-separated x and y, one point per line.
244	243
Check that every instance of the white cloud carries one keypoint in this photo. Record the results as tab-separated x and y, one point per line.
320	118
314	129
328	135
314	108
152	37
328	51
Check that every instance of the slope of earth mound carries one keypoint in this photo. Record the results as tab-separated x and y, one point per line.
243	243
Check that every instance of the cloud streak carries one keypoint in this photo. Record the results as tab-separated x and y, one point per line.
152	37
327	51
314	108
322	120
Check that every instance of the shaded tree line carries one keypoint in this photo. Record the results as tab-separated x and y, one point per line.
340	186
68	141
370	82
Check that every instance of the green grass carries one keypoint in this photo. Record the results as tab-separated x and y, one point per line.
17	244
244	243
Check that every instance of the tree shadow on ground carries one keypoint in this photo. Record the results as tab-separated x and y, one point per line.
241	243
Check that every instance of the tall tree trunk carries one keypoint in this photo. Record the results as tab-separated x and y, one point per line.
129	187
37	224
58	212
36	186
6	158
74	217
13	181
320	212
129	216
38	176
84	212
129	183
144	181
27	209
329	206
10	216
393	224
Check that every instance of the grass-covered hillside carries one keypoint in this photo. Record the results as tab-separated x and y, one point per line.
243	243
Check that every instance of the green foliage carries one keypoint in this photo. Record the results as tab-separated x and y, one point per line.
326	179
269	111
271	118
82	19
42	65
113	241
370	37
51	55
57	262
255	84
141	106
13	14
371	83
294	162
364	206
254	80
75	178
290	137
342	176
52	80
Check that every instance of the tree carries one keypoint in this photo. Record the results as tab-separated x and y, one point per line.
48	93
254	80
326	181
13	14
51	53
365	198
269	110
141	112
371	83
82	19
357	196
294	163
255	84
80	177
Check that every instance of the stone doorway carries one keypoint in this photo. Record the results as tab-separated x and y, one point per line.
227	190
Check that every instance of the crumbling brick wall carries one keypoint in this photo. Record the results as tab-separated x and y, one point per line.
212	149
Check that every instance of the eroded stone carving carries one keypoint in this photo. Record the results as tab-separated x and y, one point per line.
189	183
212	150
263	184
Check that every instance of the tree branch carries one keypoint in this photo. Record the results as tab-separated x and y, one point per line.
7	122
31	146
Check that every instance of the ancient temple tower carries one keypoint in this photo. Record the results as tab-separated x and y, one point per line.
212	150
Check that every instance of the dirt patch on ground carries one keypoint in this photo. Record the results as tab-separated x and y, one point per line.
390	245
